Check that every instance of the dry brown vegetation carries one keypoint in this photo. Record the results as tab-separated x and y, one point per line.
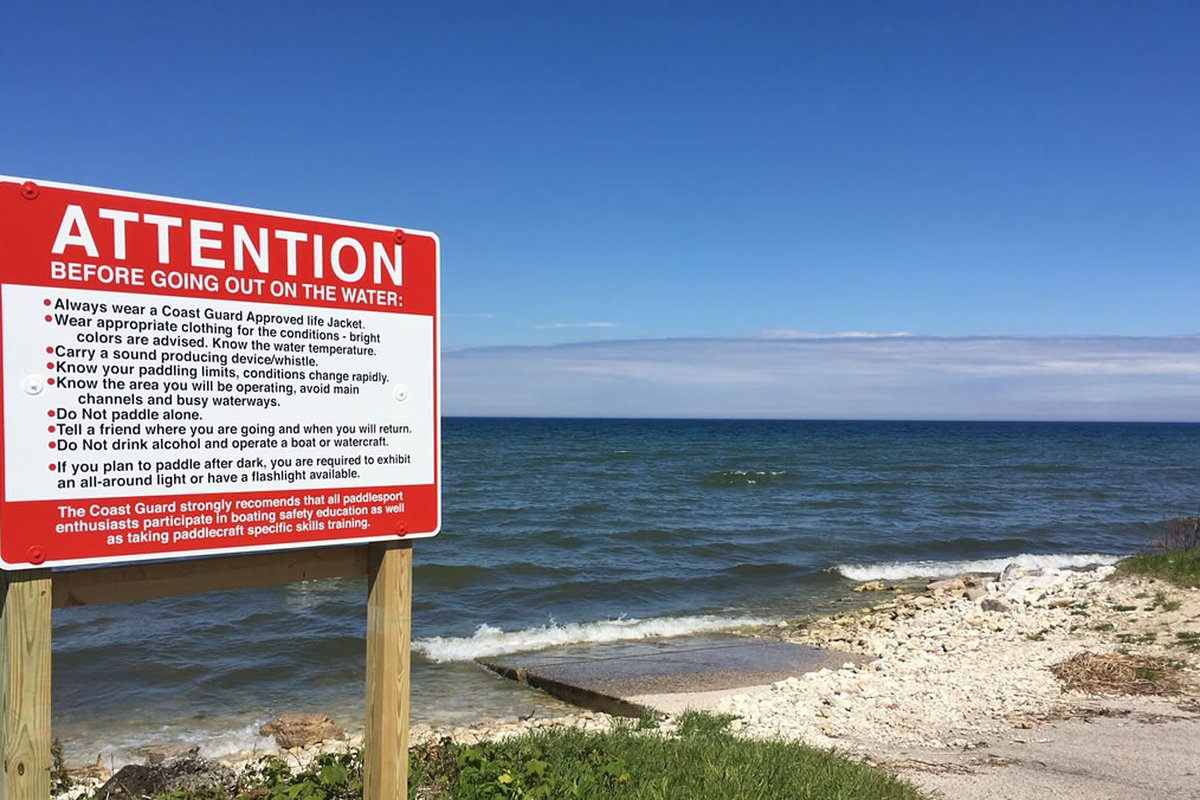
1118	673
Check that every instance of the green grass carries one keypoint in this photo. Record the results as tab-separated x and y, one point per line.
1131	638
1166	604
1181	567
1189	640
702	760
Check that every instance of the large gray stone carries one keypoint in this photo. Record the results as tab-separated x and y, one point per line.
137	781
995	604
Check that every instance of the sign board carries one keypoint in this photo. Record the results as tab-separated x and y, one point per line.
183	378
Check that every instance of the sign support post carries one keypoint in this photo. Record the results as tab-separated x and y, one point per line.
29	595
25	685
389	618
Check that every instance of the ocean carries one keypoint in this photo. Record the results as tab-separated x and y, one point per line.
562	530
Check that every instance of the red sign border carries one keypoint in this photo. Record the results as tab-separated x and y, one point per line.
214	552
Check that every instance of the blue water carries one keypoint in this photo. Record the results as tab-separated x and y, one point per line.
576	530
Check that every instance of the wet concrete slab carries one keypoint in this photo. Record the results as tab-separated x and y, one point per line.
603	677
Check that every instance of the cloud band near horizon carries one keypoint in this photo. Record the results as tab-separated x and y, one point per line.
1086	378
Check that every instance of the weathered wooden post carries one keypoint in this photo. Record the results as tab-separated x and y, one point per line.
389	622
25	685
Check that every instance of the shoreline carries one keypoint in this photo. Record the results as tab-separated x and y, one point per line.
961	695
952	670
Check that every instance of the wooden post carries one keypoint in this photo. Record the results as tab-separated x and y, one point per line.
25	685
389	617
28	596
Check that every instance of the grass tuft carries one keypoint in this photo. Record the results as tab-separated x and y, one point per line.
1176	554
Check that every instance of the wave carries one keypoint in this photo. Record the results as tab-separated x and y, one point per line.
226	737
899	570
489	641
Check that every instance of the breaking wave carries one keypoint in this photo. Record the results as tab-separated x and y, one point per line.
489	641
899	570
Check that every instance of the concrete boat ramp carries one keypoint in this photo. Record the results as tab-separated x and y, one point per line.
628	678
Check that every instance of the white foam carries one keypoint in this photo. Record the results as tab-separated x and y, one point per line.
899	570
220	738
489	641
236	741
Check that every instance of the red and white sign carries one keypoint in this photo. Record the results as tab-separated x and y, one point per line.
183	378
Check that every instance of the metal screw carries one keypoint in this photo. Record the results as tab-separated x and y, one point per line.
399	236
36	555
32	385
30	190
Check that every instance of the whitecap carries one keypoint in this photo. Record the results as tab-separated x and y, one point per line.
491	641
900	570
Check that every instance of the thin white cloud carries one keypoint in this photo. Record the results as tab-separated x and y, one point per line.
566	325
860	377
790	333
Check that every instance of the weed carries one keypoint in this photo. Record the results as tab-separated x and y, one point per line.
1132	638
1181	533
648	721
1190	640
1161	601
1181	567
332	776
60	781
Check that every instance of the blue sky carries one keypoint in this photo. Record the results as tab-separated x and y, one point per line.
692	180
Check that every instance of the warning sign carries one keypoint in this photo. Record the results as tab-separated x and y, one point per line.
181	378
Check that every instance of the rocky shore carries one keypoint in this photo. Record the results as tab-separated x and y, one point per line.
969	657
946	669
1054	683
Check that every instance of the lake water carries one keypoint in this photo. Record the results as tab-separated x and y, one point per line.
561	531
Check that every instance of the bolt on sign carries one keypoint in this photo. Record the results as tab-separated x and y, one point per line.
184	378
